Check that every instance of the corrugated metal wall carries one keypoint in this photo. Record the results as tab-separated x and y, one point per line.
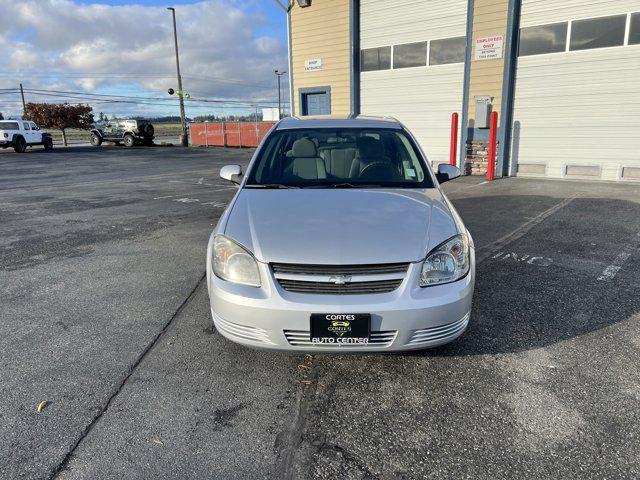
423	98
229	134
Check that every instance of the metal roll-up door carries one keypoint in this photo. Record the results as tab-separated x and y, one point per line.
577	92
413	66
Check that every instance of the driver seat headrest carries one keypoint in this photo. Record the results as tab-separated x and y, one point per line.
304	148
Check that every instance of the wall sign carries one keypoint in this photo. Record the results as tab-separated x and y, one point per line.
489	48
313	65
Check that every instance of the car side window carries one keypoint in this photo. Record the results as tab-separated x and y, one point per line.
34	126
26	126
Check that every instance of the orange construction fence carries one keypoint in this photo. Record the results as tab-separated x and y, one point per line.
229	134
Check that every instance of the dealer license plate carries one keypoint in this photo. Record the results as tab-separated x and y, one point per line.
340	328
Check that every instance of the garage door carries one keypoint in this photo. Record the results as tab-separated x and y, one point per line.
412	66
577	94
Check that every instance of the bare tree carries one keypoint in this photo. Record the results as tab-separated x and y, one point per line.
60	116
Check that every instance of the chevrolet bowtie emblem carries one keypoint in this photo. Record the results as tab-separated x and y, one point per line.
340	279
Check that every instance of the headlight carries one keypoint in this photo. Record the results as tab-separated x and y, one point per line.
233	263
446	263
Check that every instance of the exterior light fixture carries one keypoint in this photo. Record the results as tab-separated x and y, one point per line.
304	3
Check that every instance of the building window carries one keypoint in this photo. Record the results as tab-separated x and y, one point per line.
634	32
543	39
448	50
410	55
598	32
376	59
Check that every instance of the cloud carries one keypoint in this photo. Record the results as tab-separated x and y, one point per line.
130	48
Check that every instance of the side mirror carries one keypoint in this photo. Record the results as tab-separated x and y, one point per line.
233	173
447	172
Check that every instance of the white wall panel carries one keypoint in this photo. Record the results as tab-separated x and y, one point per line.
581	107
423	98
393	22
536	12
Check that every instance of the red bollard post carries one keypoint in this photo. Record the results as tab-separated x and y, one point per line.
453	149
493	139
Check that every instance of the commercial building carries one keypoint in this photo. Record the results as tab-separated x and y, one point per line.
563	75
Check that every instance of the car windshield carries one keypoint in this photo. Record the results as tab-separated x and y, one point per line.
339	158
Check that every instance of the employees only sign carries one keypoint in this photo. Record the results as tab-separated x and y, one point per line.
489	48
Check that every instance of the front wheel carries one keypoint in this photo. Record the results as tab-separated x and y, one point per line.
129	141
20	145
96	141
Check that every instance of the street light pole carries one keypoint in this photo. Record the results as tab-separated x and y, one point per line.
24	105
279	74
184	141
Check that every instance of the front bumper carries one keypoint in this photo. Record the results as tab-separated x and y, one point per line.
408	318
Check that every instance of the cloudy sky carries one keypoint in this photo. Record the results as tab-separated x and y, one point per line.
228	50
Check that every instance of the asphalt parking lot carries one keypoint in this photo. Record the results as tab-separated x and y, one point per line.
105	315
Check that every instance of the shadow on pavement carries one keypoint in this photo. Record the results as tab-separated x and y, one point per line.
520	305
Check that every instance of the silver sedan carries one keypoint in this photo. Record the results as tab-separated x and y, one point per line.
340	239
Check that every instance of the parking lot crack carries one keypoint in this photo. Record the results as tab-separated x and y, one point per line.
132	369
289	441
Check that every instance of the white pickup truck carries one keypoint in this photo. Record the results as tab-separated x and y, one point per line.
21	134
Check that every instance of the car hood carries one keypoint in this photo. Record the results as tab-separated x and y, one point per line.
340	226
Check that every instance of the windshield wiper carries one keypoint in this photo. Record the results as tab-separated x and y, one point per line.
345	185
271	186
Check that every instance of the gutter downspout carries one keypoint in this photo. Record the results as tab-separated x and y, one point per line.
354	33
289	53
508	88
465	92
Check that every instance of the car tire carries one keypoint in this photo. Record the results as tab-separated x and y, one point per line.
129	141
20	145
48	144
96	141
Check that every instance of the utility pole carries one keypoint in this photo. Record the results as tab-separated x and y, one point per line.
184	139
24	105
279	74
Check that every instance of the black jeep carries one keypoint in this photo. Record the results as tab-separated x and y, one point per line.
127	132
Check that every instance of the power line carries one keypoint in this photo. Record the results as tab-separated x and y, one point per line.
135	100
219	106
133	75
100	95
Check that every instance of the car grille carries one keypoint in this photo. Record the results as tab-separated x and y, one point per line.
325	288
340	279
302	338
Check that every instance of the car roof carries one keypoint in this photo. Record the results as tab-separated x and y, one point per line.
335	121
